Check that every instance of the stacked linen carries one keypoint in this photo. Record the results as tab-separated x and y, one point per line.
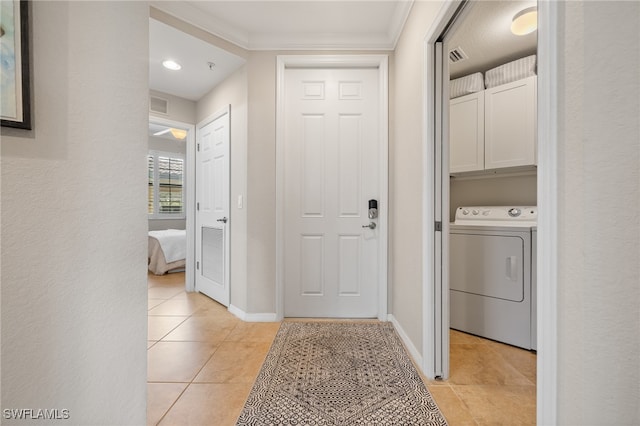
511	71
466	85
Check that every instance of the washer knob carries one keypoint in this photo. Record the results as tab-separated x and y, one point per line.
465	212
475	212
514	212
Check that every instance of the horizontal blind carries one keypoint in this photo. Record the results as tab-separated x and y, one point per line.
170	177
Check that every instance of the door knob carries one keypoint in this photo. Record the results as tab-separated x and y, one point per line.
223	220
371	225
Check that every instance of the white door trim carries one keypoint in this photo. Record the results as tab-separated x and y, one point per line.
333	61
190	183
547	255
547	380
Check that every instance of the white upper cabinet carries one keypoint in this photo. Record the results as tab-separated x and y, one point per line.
466	135
494	129
510	124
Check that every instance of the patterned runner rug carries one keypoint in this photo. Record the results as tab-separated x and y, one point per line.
339	373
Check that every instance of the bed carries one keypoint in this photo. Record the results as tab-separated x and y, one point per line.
167	251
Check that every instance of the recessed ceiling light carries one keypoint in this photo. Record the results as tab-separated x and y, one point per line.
525	21
171	65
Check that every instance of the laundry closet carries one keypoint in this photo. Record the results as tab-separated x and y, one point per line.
493	174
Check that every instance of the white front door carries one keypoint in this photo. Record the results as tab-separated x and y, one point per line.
331	170
212	207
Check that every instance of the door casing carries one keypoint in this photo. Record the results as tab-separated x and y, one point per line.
547	273
334	61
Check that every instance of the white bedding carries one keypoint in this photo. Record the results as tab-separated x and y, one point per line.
167	250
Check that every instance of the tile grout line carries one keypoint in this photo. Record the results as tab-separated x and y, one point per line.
194	376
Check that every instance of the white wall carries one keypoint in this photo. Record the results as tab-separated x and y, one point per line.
406	172
599	225
492	190
74	221
233	91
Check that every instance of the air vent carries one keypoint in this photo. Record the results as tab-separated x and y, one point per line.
158	105
457	55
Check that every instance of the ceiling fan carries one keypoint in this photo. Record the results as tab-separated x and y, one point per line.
176	133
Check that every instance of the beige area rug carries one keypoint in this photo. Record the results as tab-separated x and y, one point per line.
339	373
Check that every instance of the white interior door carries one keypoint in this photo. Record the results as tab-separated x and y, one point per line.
212	207
331	171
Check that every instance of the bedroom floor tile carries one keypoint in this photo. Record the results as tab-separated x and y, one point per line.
164	292
176	279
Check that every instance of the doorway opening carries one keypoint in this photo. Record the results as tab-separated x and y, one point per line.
438	201
170	195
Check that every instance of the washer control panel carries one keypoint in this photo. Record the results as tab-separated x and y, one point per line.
497	215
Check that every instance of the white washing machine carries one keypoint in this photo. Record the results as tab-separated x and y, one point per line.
492	289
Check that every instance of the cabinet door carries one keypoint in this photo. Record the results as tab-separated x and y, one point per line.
466	133
510	124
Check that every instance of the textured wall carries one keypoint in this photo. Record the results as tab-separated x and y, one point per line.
74	219
599	223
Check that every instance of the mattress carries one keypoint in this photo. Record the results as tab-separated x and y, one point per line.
511	71
166	241
466	85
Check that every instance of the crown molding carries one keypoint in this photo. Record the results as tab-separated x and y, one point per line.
190	13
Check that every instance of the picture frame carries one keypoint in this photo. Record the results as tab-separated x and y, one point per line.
15	75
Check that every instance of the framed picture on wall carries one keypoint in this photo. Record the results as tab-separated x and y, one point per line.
15	102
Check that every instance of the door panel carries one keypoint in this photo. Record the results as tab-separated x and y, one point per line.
212	212
331	162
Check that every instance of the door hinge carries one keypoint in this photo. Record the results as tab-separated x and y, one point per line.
198	147
198	265
438	226
197	206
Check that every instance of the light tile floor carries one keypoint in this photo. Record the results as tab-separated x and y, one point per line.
202	362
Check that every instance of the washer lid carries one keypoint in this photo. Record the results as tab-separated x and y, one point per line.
523	216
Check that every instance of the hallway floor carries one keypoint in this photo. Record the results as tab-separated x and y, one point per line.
202	362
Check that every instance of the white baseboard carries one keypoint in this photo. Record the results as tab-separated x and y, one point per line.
244	316
413	352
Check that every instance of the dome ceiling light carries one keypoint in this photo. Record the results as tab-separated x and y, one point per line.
525	21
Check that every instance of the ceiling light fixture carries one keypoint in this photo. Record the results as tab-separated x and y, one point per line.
171	65
525	21
178	133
